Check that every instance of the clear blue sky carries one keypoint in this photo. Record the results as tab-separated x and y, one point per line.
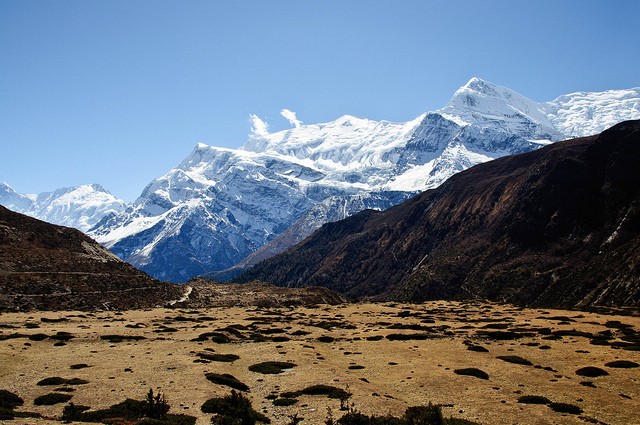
118	92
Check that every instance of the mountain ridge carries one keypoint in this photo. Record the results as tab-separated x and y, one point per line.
218	206
559	226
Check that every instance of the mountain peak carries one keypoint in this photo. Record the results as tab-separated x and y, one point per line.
481	86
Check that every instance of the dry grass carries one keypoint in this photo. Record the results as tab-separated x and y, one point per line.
397	372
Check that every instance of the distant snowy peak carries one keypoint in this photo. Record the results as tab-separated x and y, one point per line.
81	207
482	103
585	114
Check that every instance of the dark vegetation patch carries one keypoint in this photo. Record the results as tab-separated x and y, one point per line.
9	400
79	366
408	337
56	380
330	324
38	337
52	398
565	408
120	338
217	357
53	320
624	364
271	368
516	360
234	408
325	390
472	371
217	337
416	415
151	411
62	336
503	335
591	372
227	380
533	399
284	401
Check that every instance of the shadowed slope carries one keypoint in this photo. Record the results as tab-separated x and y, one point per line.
558	226
44	266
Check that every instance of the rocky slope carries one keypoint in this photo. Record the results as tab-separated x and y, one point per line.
559	226
44	266
221	205
49	267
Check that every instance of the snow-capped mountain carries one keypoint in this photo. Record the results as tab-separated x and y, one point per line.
220	205
81	207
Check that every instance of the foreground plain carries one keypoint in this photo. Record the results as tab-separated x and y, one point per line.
389	356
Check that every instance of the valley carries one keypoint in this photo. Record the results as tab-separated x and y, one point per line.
388	356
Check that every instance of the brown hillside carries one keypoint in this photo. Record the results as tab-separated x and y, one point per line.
43	266
558	227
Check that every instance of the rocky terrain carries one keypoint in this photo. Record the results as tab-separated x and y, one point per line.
559	226
49	267
486	363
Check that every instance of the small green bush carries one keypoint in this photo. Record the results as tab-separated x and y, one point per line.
227	380
271	368
56	380
219	357
516	360
9	400
284	401
79	366
565	408
327	390
472	371
533	399
419	415
477	348
591	372
233	409
51	399
626	364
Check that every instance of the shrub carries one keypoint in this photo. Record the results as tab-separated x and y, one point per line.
73	412
408	337
227	380
52	398
233	409
472	371
219	357
622	364
328	390
285	401
38	337
516	360
56	380
533	399
157	406
565	408
477	348
419	415
9	400
271	368
79	366
120	338
591	372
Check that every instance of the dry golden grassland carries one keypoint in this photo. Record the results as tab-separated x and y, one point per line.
351	346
